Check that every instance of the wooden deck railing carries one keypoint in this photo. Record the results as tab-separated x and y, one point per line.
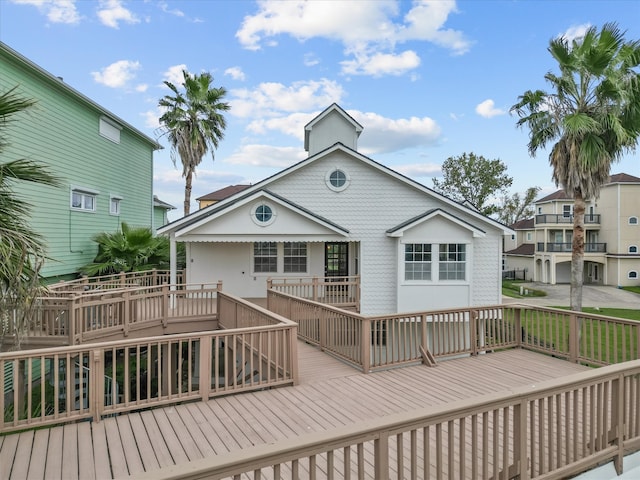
555	429
78	318
257	349
341	292
374	343
147	278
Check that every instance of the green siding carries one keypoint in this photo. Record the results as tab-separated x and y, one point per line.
62	131
159	217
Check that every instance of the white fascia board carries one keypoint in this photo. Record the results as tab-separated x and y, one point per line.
477	233
253	198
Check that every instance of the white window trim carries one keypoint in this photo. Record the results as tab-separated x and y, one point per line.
327	180
253	260
112	124
255	220
435	265
431	263
306	257
111	199
84	191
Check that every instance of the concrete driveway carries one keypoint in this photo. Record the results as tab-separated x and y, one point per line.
592	296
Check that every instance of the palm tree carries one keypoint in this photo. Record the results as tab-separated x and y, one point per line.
22	250
592	114
130	250
193	122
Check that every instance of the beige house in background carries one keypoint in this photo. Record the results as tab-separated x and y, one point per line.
218	195
542	244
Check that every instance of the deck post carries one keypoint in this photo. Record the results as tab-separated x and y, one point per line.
315	289
293	348
165	305
96	379
126	313
320	314
204	368
473	326
520	459
71	328
617	421
573	337
517	326
365	345
381	456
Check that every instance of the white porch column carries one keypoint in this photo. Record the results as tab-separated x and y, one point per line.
173	261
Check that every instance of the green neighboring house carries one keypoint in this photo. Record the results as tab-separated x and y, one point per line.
105	165
160	212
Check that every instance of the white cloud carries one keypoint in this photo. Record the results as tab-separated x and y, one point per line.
310	59
575	32
380	64
380	135
369	30
292	125
270	99
487	109
236	73
57	11
174	74
383	135
111	12
419	170
266	156
118	74
164	6
151	118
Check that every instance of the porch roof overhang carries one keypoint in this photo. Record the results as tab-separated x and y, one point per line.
399	230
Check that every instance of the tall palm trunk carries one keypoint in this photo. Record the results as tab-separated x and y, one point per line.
577	253
187	192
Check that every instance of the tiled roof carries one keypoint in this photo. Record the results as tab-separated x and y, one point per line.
623	178
615	178
526	224
557	195
223	193
524	249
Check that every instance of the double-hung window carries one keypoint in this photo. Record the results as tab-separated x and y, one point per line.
83	200
265	257
417	261
114	205
452	261
295	257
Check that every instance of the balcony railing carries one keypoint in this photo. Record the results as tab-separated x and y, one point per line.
566	247
589	218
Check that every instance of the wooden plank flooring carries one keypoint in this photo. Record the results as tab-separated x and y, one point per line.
330	394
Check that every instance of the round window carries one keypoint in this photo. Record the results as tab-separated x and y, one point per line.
263	214
337	180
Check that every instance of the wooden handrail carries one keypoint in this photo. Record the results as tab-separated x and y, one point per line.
506	411
91	380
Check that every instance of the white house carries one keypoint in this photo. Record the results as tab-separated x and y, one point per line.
339	212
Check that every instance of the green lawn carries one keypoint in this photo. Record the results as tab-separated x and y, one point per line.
511	288
626	313
601	340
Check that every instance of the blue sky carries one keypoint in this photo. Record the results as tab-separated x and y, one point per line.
426	79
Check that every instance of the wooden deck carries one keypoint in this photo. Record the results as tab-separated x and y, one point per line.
330	394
